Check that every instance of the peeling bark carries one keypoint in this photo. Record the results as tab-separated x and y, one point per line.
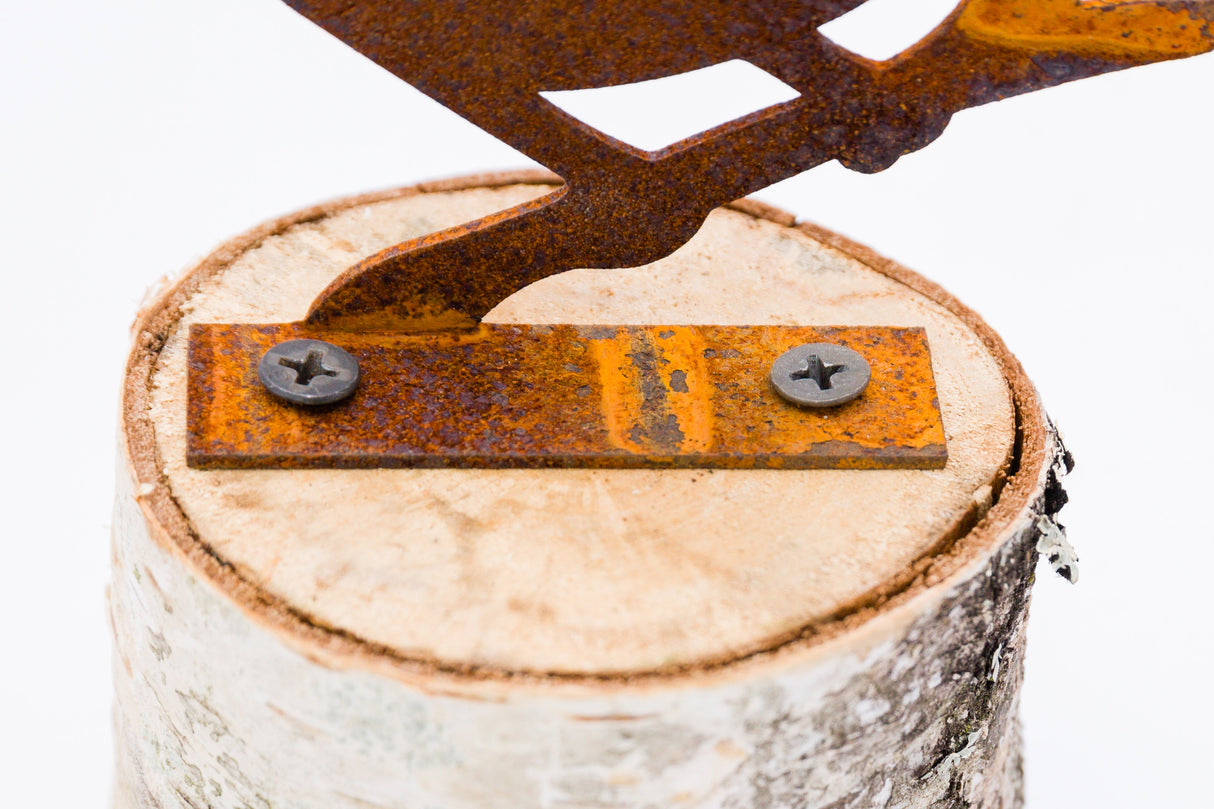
215	711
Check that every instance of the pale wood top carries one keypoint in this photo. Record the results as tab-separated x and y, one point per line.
585	571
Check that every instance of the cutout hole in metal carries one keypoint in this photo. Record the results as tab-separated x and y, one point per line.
882	29
676	107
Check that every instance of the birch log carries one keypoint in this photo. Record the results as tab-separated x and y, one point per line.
567	639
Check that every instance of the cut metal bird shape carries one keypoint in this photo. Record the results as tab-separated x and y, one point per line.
490	60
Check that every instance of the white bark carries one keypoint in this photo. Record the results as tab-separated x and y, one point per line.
914	709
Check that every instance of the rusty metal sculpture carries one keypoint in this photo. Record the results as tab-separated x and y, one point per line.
621	207
489	62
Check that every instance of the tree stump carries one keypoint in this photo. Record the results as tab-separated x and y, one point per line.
476	639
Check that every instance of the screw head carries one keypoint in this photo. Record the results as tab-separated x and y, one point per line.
308	372
820	374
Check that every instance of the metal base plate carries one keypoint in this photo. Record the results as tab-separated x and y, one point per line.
534	396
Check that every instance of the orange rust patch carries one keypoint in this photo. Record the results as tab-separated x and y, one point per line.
1124	28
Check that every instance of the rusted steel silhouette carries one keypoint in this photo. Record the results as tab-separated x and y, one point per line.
488	60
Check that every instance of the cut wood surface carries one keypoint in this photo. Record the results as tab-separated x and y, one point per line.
562	638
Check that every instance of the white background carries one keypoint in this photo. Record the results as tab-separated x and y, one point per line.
138	134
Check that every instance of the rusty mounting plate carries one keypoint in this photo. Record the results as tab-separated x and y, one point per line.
565	396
